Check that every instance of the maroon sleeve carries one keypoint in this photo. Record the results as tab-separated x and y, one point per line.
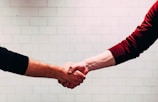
141	39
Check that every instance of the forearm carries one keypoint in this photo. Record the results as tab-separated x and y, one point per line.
39	69
102	60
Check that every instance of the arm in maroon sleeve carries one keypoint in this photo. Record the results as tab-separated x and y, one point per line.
140	40
13	62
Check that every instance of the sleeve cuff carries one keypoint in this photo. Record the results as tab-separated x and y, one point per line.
13	62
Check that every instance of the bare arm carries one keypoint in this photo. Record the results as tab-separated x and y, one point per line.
23	65
39	69
135	44
99	61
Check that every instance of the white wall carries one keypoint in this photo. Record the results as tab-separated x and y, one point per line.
58	31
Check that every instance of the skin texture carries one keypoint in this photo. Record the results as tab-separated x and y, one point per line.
40	69
99	61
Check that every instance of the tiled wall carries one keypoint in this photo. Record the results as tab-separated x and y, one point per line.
58	31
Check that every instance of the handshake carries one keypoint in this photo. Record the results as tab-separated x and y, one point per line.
70	75
73	74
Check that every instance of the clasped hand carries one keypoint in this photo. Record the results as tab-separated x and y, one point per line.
76	73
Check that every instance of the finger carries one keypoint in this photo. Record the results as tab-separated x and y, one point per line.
76	67
80	75
71	85
71	70
77	82
63	83
85	71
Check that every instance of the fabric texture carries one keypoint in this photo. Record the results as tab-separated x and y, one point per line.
13	62
140	40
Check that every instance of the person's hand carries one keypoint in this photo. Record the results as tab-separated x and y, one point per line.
71	80
81	66
72	69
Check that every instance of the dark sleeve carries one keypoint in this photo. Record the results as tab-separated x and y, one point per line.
13	62
141	39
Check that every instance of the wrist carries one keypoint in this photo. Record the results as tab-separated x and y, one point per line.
99	61
55	72
87	66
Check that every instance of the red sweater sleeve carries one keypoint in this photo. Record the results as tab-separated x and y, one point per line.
140	40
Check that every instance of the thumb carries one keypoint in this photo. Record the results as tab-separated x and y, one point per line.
74	68
71	70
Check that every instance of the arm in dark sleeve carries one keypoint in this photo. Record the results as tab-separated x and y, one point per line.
13	62
141	39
